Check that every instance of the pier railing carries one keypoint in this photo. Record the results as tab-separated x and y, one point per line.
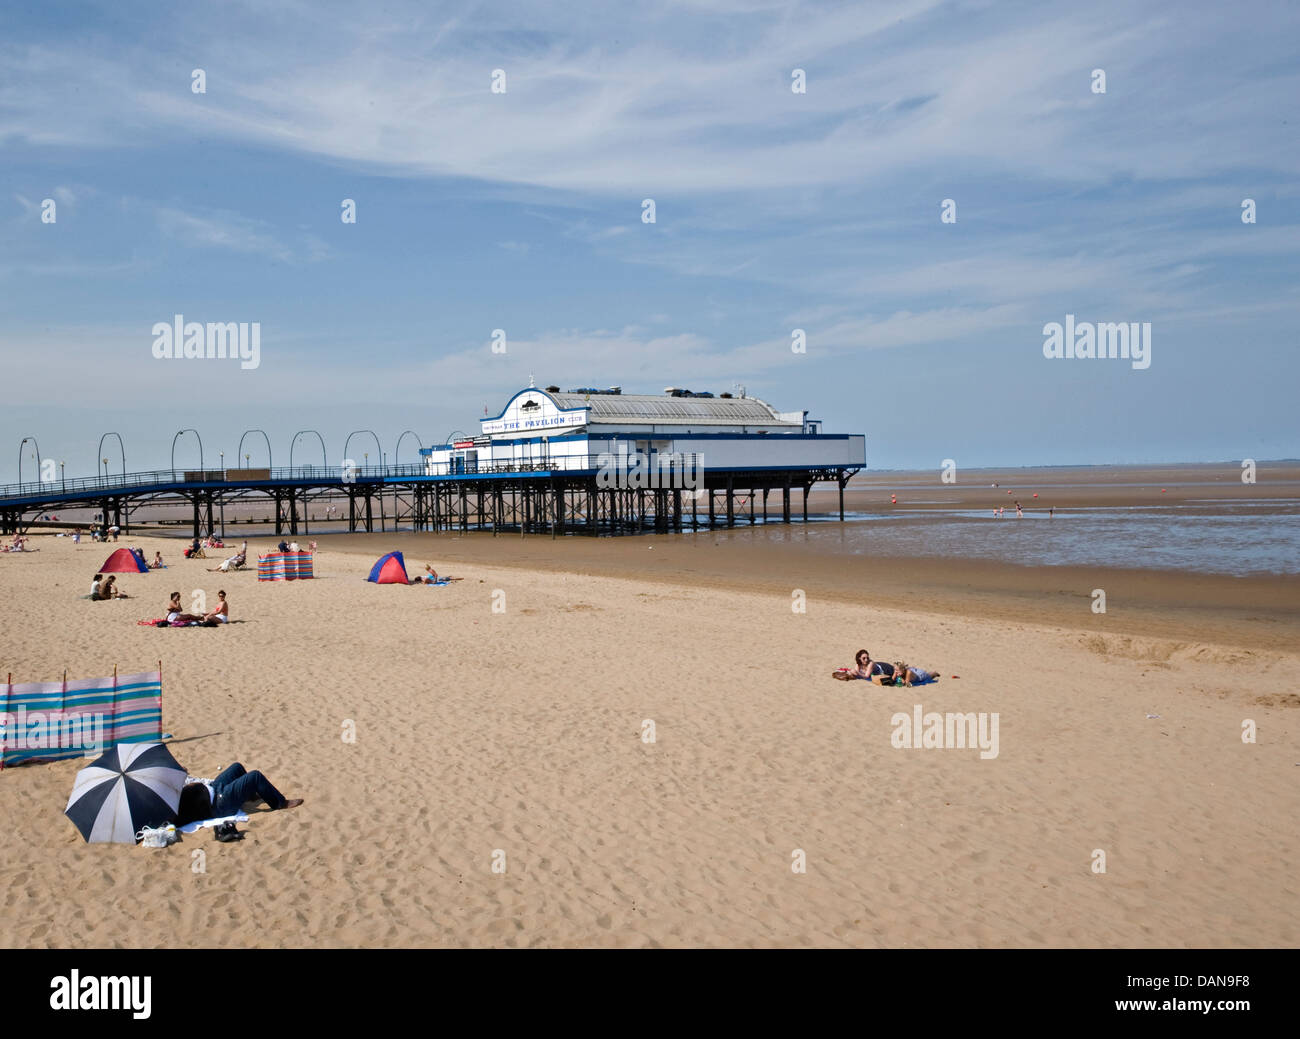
181	478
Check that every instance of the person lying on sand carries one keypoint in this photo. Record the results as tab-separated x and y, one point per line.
883	673
431	577
863	669
227	794
880	672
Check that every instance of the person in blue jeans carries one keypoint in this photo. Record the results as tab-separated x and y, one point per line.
226	794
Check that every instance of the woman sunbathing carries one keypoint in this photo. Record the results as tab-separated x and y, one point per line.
880	672
431	577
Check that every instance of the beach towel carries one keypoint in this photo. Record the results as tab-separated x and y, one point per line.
153	623
239	817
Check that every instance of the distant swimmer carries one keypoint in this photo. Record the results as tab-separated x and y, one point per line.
1020	513
1049	513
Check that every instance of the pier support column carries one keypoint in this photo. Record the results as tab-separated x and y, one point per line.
731	501
785	500
840	480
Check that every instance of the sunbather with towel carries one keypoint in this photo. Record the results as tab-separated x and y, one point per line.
431	577
226	794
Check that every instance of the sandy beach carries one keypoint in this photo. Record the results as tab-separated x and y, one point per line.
516	737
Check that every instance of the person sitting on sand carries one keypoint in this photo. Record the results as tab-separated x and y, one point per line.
222	613
157	563
175	613
227	794
106	590
94	586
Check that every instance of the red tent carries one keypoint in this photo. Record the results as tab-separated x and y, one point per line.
389	569
124	561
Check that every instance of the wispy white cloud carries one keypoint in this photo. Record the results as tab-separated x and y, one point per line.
226	230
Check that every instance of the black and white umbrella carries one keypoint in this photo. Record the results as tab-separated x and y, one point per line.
131	786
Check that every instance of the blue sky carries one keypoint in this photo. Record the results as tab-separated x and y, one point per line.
774	211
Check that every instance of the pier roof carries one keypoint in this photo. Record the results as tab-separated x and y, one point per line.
700	411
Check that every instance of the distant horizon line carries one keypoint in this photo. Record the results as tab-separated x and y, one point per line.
1092	465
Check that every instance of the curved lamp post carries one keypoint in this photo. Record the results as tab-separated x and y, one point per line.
398	449
179	434
294	442
379	450
121	449
20	457
269	463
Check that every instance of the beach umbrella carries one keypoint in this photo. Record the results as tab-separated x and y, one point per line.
131	786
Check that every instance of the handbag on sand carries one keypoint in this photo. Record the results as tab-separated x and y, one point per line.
157	836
